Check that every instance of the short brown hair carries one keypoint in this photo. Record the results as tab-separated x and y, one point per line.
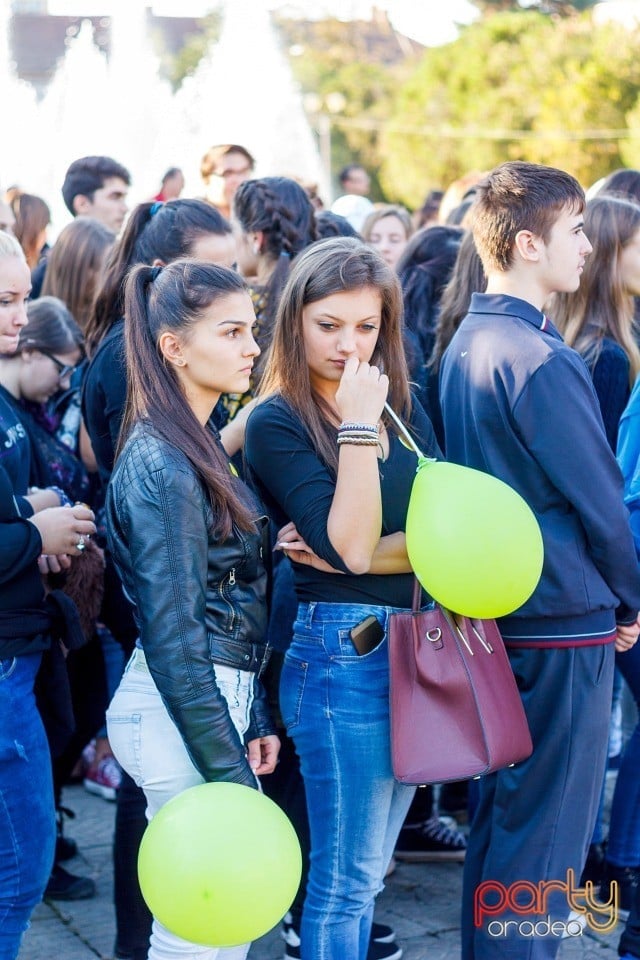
519	196
215	154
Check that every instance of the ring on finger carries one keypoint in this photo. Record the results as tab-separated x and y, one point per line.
81	544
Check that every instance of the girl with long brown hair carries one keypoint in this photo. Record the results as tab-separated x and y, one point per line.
597	319
32	219
329	465
188	541
76	264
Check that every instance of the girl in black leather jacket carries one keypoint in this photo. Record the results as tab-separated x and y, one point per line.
188	541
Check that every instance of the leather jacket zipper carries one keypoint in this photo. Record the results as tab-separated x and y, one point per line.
231	579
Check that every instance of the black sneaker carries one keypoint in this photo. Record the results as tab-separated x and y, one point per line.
627	879
381	947
66	848
381	933
430	841
66	886
383	951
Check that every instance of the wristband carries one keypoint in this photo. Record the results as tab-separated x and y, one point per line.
64	499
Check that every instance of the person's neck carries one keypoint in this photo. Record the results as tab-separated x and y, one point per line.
326	390
202	405
218	201
513	283
266	266
10	376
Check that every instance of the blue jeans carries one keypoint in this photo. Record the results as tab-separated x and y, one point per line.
624	825
27	814
335	706
148	745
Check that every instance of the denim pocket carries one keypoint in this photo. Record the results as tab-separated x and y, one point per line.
292	684
7	666
124	731
348	650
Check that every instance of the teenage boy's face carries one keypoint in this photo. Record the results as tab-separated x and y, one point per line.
565	253
108	205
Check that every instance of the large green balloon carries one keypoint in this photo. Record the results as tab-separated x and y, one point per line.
473	542
219	864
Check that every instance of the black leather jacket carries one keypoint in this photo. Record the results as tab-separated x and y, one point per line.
198	601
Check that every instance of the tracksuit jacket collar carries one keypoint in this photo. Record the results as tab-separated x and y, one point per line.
499	304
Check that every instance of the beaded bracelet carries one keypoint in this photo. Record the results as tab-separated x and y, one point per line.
353	432
354	425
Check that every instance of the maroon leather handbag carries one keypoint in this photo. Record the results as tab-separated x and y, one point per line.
455	708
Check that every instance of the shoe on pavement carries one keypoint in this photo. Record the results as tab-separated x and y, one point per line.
382	933
104	780
66	848
430	841
381	946
383	951
63	885
627	879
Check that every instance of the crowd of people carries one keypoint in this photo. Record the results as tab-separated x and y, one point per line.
203	501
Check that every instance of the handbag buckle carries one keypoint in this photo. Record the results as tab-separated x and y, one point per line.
434	636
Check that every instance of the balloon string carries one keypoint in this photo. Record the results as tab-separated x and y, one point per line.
405	433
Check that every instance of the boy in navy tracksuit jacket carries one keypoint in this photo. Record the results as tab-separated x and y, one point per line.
519	404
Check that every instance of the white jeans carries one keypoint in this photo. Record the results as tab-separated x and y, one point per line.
147	744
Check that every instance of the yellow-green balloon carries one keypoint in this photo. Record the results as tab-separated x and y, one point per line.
219	864
473	542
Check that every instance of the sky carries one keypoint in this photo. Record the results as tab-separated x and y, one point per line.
429	21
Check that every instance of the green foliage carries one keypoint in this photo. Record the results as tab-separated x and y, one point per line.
363	63
517	84
513	86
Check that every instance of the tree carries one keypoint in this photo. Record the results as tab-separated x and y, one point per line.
514	86
360	60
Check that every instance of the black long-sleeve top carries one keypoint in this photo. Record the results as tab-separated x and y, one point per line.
295	484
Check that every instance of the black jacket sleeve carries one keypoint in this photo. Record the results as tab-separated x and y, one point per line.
574	453
20	542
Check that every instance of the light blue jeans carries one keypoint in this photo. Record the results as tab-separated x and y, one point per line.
27	813
147	744
335	705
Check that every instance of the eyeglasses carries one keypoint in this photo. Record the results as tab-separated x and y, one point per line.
227	174
64	369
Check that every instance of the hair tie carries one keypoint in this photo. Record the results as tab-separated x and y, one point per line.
155	271
283	253
155	207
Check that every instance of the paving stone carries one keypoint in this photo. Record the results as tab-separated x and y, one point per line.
421	902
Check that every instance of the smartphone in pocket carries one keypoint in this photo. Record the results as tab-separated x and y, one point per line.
366	635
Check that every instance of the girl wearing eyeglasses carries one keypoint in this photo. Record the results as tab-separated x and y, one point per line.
49	350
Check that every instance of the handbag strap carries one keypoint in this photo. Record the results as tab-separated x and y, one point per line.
417	595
